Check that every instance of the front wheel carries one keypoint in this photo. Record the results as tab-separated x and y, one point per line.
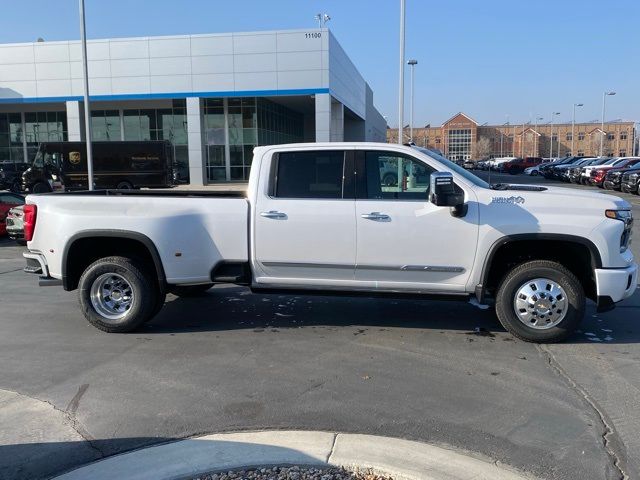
540	301
534	173
116	295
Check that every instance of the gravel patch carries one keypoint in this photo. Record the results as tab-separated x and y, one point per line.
295	473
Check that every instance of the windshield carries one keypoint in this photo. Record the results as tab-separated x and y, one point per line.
477	181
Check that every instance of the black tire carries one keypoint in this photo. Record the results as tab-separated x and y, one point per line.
124	185
190	290
15	186
144	293
534	173
390	180
514	170
40	187
554	271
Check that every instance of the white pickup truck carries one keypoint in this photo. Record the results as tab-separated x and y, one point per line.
327	217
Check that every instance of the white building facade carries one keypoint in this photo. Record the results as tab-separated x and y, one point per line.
214	96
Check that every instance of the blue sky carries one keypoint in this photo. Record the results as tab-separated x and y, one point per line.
488	59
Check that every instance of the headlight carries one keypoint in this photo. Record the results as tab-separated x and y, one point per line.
627	217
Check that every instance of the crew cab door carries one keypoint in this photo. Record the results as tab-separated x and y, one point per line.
304	219
404	242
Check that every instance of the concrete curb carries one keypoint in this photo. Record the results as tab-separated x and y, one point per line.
222	452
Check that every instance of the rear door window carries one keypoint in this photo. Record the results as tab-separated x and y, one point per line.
316	174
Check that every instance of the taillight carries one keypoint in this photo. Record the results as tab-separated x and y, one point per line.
29	219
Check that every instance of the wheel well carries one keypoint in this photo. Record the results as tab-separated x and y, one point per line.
578	258
83	251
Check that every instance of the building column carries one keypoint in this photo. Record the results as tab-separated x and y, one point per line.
195	149
323	117
75	121
337	122
329	119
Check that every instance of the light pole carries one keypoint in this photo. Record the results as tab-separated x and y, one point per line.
551	136
322	19
412	63
573	126
87	109
604	98
401	86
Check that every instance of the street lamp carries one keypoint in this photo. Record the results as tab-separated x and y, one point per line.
412	63
551	136
87	109
322	19
573	126
401	83
604	98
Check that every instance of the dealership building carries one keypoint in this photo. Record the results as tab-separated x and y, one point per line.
214	96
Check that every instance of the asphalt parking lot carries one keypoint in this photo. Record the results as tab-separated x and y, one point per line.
444	373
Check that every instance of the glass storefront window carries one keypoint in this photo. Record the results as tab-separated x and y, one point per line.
251	122
105	125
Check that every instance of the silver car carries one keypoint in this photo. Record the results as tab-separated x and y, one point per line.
15	224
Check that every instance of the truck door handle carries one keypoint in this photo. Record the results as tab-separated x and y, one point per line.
273	214
375	216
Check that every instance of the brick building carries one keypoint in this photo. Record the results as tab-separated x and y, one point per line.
462	138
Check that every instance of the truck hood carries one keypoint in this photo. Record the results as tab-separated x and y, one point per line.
534	197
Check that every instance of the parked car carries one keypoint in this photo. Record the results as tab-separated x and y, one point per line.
10	175
554	171
545	169
561	172
631	182
8	200
495	163
15	224
585	175
537	251
575	172
613	178
597	174
534	171
518	165
469	164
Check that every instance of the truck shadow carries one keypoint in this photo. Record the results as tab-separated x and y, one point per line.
237	308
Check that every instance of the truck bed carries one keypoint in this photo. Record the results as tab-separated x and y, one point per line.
192	231
157	193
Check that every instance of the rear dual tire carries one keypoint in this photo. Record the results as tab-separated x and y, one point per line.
540	301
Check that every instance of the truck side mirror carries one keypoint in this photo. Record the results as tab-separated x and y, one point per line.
443	193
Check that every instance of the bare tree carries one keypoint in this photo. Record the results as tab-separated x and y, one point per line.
594	143
482	148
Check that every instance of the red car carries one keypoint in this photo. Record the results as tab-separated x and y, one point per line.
519	164
598	174
8	200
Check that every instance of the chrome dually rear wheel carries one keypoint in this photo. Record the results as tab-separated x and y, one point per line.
112	296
